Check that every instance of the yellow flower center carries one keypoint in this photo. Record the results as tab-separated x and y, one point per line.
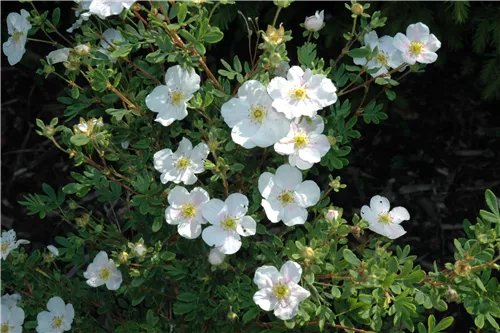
176	98
105	274
17	36
299	94
382	58
229	223
280	291
384	218
416	47
300	141
5	327
188	211
286	197
5	247
257	113
183	163
57	322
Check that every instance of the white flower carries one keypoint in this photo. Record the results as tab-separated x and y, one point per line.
9	242
17	27
282	69
228	223
182	165
58	56
301	93
58	319
315	22
53	250
215	257
82	127
170	100
382	221
331	215
418	45
286	196
185	210
387	57
279	291
252	117
10	300
105	8
103	271
12	319
304	143
107	45
82	49
82	13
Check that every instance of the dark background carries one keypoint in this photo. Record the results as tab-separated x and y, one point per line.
435	155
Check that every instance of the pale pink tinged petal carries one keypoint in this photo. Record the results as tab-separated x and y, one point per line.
185	147
243	132
266	184
246	226
287	311
199	196
298	292
232	243
214	211
391	231
285	146
418	31
251	90
56	305
173	216
396	59
278	88
266	277
309	154
189	230
163	160
279	123
291	272
237	205
295	74
371	39
287	177
101	259
433	44
325	95
265	136
401	42
265	300
399	214
172	175
178	197
214	236
188	177
283	106
157	100
114	282
379	204
200	152
367	214
409	58
164	119
316	127
427	57
296	161
307	194
294	214
234	111
273	209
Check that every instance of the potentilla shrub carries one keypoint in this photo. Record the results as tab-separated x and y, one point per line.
202	197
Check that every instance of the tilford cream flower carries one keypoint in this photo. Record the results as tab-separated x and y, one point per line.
315	22
382	220
9	243
418	45
58	319
103	271
17	27
12	319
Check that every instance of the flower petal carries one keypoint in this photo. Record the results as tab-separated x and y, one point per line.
214	211
307	193
379	204
399	214
298	292
287	177
56	305
265	299
189	230
273	208
266	277
214	236
232	243
418	31
291	272
246	226
237	205
294	214
178	197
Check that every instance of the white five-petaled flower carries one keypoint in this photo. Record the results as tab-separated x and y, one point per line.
170	100
107	45
10	300
58	56
12	319
82	13
315	22
304	143
17	27
387	57
418	45
215	257
185	210
286	196
301	93
280	291
103	271
58	319
382	221
9	243
105	8
182	165
53	250
253	120
229	222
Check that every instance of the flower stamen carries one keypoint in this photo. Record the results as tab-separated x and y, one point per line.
105	274
176	97
384	218
188	211
299	94
182	163
257	113
229	223
416	47
286	197
300	140
57	322
281	291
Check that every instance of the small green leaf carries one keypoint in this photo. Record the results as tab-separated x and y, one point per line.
56	15
359	53
79	139
213	36
351	258
444	324
250	314
391	95
492	202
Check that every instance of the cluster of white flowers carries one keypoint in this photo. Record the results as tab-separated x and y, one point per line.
418	45
9	243
100	8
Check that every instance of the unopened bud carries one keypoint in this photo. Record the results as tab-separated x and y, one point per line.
462	268
332	215
232	316
307	252
356	231
357	9
282	4
215	257
332	140
82	49
83	220
452	295
123	257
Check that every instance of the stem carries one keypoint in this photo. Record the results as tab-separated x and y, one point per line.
43	41
309	37
276	16
371	80
213	10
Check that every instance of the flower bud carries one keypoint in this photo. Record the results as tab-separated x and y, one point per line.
274	36
357	9
452	295
232	316
82	49
123	257
315	22
282	4
139	249
332	140
215	257
332	215
356	231
83	220
462	268
307	252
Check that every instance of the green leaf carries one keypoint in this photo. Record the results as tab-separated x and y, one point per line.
79	139
351	258
117	114
181	14
156	57
250	314
359	53
492	202
56	15
187	35
391	95
479	321
121	51
213	36
444	324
